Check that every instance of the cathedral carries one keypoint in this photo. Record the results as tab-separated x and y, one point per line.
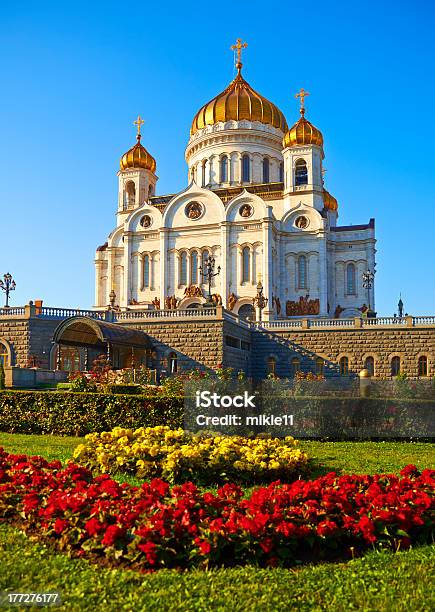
255	210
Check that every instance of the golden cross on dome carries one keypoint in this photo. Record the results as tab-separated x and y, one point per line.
302	94
139	122
238	48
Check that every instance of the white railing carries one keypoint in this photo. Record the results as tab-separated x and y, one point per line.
230	316
11	311
383	321
189	313
278	324
65	313
427	320
331	322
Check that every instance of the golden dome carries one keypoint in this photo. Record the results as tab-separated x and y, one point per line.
329	201
239	102
138	157
302	133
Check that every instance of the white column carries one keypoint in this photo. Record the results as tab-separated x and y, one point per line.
226	261
127	271
163	265
252	262
110	274
323	275
267	264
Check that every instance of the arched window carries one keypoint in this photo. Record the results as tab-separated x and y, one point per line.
344	366
194	268
193	174
224	169
395	366
246	263
247	311
204	258
146	271
281	172
369	364
295	366
266	170
301	172
302	272
129	195
4	355
271	365
422	365
204	173
246	169
320	366
350	279
183	268
172	363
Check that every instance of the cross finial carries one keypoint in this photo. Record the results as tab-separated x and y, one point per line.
302	94
139	123
238	48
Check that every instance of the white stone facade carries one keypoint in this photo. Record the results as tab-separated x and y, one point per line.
273	229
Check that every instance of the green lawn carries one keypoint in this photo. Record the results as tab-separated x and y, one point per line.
346	457
379	581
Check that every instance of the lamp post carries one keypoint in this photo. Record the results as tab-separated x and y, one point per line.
208	273
7	285
259	301
368	278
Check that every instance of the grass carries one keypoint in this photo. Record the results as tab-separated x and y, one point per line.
344	457
379	581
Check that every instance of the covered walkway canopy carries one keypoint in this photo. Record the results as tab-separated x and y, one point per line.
120	344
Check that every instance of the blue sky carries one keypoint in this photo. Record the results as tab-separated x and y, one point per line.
75	75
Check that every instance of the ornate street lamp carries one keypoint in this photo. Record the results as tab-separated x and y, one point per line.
7	285
368	278
260	301
208	273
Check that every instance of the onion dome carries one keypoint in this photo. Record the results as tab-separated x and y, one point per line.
239	102
302	132
138	157
329	201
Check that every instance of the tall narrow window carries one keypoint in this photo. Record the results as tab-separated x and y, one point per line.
204	173
146	271
224	169
183	268
271	365
395	366
295	366
193	174
266	170
350	279
301	172
369	365
246	169
194	268
320	366
204	257
4	357
281	172
129	195
172	363
344	366
302	272
422	365
246	261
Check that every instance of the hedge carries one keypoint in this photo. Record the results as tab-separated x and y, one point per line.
77	414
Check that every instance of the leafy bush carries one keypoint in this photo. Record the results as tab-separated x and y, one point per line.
126	389
178	456
2	376
77	414
154	526
63	386
80	382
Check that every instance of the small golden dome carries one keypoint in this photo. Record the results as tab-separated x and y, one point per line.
329	201
239	102
302	133
138	157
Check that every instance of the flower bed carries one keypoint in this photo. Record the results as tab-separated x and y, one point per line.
177	456
154	526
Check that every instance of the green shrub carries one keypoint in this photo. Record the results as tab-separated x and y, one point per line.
77	414
123	389
65	386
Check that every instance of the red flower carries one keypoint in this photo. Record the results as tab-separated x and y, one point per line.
93	527
149	549
113	533
60	525
203	545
